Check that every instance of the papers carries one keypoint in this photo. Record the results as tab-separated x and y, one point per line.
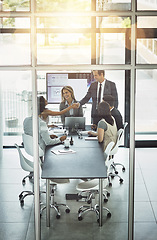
58	130
85	133
63	151
91	138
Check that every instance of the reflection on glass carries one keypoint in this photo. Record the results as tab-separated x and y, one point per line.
146	5
16	100
14	22
15	5
110	48
15	49
146	51
116	5
146	115
64	22
147	22
62	5
113	22
63	48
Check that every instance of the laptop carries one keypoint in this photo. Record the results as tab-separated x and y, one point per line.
75	123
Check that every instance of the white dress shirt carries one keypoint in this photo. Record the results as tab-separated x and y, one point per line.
44	137
71	111
102	90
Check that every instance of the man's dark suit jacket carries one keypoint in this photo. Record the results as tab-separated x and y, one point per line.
118	118
109	89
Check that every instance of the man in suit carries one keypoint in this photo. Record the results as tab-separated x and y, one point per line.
97	90
114	111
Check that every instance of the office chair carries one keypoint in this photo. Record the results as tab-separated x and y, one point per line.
53	203
119	143
113	165
92	186
28	146
26	165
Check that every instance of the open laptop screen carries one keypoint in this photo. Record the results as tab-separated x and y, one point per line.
75	123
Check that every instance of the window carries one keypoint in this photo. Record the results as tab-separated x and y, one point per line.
15	5
15	49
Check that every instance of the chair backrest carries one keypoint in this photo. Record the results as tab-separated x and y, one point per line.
28	145
107	154
125	125
118	143
26	164
108	150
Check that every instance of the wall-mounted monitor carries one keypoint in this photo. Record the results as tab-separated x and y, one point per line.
80	83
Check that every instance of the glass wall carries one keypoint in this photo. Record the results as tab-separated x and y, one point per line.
37	37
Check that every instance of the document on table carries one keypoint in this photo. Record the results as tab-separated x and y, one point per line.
63	151
85	133
59	130
91	138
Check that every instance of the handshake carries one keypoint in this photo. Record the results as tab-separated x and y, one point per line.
75	105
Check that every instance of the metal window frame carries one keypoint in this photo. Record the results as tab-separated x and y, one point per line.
130	69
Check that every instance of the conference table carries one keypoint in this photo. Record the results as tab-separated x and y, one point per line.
87	161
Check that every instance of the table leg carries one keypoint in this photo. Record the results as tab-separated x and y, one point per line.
100	201
47	202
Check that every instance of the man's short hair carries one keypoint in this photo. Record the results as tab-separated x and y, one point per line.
109	99
100	71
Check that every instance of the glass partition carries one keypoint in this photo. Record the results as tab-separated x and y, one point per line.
146	51
146	100
15	5
68	5
110	48
16	102
15	49
147	22
64	48
146	5
64	22
113	5
15	22
113	22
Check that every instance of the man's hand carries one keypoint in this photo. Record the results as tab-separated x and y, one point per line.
75	105
63	138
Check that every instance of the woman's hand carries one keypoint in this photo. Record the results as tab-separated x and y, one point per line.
63	138
52	126
91	133
75	105
53	136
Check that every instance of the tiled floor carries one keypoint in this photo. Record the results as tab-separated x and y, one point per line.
17	223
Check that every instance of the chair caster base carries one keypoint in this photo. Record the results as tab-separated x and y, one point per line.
80	218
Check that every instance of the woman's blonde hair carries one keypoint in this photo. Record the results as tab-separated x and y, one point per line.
70	89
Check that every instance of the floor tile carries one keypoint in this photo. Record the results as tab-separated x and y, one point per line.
13	231
145	231
143	212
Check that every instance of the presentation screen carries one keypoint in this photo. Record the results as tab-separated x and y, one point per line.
80	83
